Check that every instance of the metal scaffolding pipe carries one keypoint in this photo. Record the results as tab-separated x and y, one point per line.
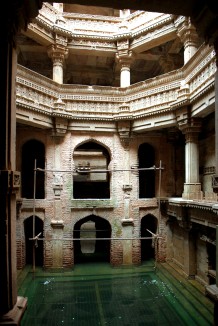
88	170
86	239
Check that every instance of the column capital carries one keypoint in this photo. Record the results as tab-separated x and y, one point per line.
187	32
191	129
125	57
57	53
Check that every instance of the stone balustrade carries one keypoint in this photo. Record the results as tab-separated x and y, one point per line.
39	98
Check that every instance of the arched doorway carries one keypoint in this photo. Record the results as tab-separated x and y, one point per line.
148	222
146	158
91	155
31	151
28	231
92	227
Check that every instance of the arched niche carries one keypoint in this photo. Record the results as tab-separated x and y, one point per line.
38	246
146	159
92	227
33	151
91	156
148	223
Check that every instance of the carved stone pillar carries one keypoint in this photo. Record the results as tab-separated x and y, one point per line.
192	186
12	306
188	35
57	243
127	243
58	53
57	221
216	106
124	57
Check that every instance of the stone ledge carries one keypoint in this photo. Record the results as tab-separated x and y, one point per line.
14	316
212	292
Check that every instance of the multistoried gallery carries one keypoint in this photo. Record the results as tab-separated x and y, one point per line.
115	155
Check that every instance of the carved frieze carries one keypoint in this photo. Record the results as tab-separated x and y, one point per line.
157	97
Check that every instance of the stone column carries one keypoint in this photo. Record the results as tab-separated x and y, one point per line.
11	306
188	35
124	58
216	118
189	242
58	53
124	130
192	186
125	74
57	223
127	224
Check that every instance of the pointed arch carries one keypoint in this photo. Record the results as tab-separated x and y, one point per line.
28	231
100	229
32	150
95	156
148	222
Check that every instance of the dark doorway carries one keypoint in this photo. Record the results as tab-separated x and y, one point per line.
148	222
91	185
146	159
93	227
28	229
31	151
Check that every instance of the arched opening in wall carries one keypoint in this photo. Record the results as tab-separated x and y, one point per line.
31	151
91	156
92	250
28	231
148	222
146	159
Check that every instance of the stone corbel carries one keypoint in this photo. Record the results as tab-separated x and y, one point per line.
57	224
127	222
60	126
182	116
124	130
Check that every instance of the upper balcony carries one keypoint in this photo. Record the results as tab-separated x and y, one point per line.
152	104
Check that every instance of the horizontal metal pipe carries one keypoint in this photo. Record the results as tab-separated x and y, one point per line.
88	239
100	171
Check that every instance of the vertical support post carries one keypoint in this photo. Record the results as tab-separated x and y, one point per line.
159	192
34	212
156	243
217	256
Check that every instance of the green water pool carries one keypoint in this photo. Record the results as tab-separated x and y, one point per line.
97	294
